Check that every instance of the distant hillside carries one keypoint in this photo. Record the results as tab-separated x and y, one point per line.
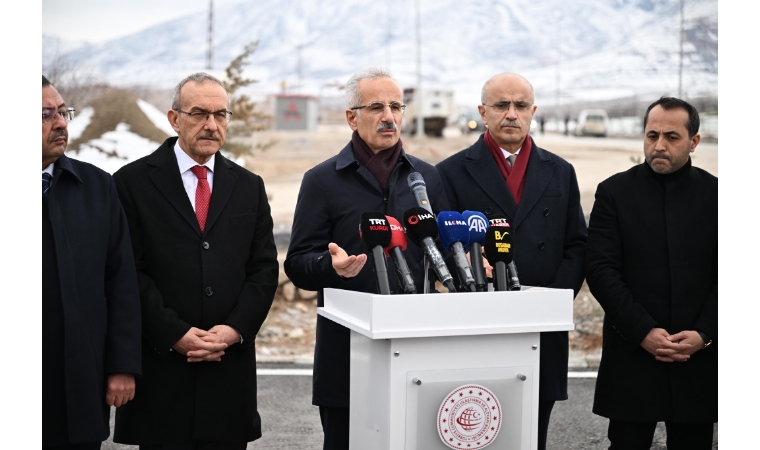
577	50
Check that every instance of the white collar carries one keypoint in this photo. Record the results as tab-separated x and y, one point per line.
186	163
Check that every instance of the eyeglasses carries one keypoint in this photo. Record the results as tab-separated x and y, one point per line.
377	108
199	115
502	107
50	114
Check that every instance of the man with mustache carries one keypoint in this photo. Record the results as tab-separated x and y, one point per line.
207	267
369	174
506	173
652	263
90	299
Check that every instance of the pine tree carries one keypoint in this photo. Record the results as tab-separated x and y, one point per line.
246	120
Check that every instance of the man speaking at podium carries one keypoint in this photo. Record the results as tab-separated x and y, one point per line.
369	174
506	173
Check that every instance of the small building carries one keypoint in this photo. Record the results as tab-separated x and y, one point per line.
295	112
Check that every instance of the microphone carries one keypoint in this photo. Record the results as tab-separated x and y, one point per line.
376	233
422	230
513	281
498	246
455	234
417	185
478	225
394	249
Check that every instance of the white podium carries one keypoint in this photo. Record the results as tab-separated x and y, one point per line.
410	352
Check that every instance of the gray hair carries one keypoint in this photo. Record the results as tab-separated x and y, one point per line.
353	96
484	93
198	77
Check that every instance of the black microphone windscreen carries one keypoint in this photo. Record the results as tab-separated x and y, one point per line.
375	230
498	220
498	245
419	224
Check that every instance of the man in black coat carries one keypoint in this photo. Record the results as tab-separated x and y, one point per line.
369	174
90	300
207	266
652	263
506	173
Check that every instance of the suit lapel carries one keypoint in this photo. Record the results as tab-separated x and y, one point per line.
537	177
482	168
224	184
168	181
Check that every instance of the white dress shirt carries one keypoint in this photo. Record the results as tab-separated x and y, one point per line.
189	180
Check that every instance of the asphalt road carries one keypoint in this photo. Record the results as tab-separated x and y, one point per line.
290	421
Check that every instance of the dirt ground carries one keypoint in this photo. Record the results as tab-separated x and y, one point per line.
289	332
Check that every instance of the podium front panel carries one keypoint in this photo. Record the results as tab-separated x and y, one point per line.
390	411
511	397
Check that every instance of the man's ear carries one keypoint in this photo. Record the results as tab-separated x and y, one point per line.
694	142
353	119
173	117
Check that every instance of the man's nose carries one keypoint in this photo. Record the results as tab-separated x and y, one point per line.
210	123
59	123
387	114
512	112
659	145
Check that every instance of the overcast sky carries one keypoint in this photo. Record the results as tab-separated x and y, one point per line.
101	20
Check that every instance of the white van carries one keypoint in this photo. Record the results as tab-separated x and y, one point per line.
592	122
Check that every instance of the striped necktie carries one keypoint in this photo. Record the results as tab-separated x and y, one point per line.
511	160
46	179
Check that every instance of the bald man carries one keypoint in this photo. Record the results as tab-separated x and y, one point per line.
506	173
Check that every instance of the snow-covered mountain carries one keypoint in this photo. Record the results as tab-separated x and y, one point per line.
571	50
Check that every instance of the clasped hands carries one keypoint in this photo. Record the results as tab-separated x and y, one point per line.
200	345
667	347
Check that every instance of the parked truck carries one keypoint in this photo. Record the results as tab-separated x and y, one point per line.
437	107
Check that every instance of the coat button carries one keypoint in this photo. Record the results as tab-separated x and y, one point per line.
205	245
540	247
209	292
546	212
487	211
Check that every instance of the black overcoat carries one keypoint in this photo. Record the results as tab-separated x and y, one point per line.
225	275
549	231
98	294
332	198
653	262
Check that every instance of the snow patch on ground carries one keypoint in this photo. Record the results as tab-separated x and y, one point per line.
157	117
81	120
127	145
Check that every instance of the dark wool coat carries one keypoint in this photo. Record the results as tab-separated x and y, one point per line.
95	317
549	231
332	198
652	261
225	275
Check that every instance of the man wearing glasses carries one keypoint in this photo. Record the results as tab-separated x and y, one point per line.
506	173
90	299
207	267
369	174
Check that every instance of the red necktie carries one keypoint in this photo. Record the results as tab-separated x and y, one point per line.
202	195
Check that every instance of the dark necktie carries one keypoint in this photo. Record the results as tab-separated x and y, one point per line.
511	160
202	195
46	179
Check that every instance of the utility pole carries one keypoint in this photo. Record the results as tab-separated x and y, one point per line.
559	60
418	93
298	69
210	50
680	58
